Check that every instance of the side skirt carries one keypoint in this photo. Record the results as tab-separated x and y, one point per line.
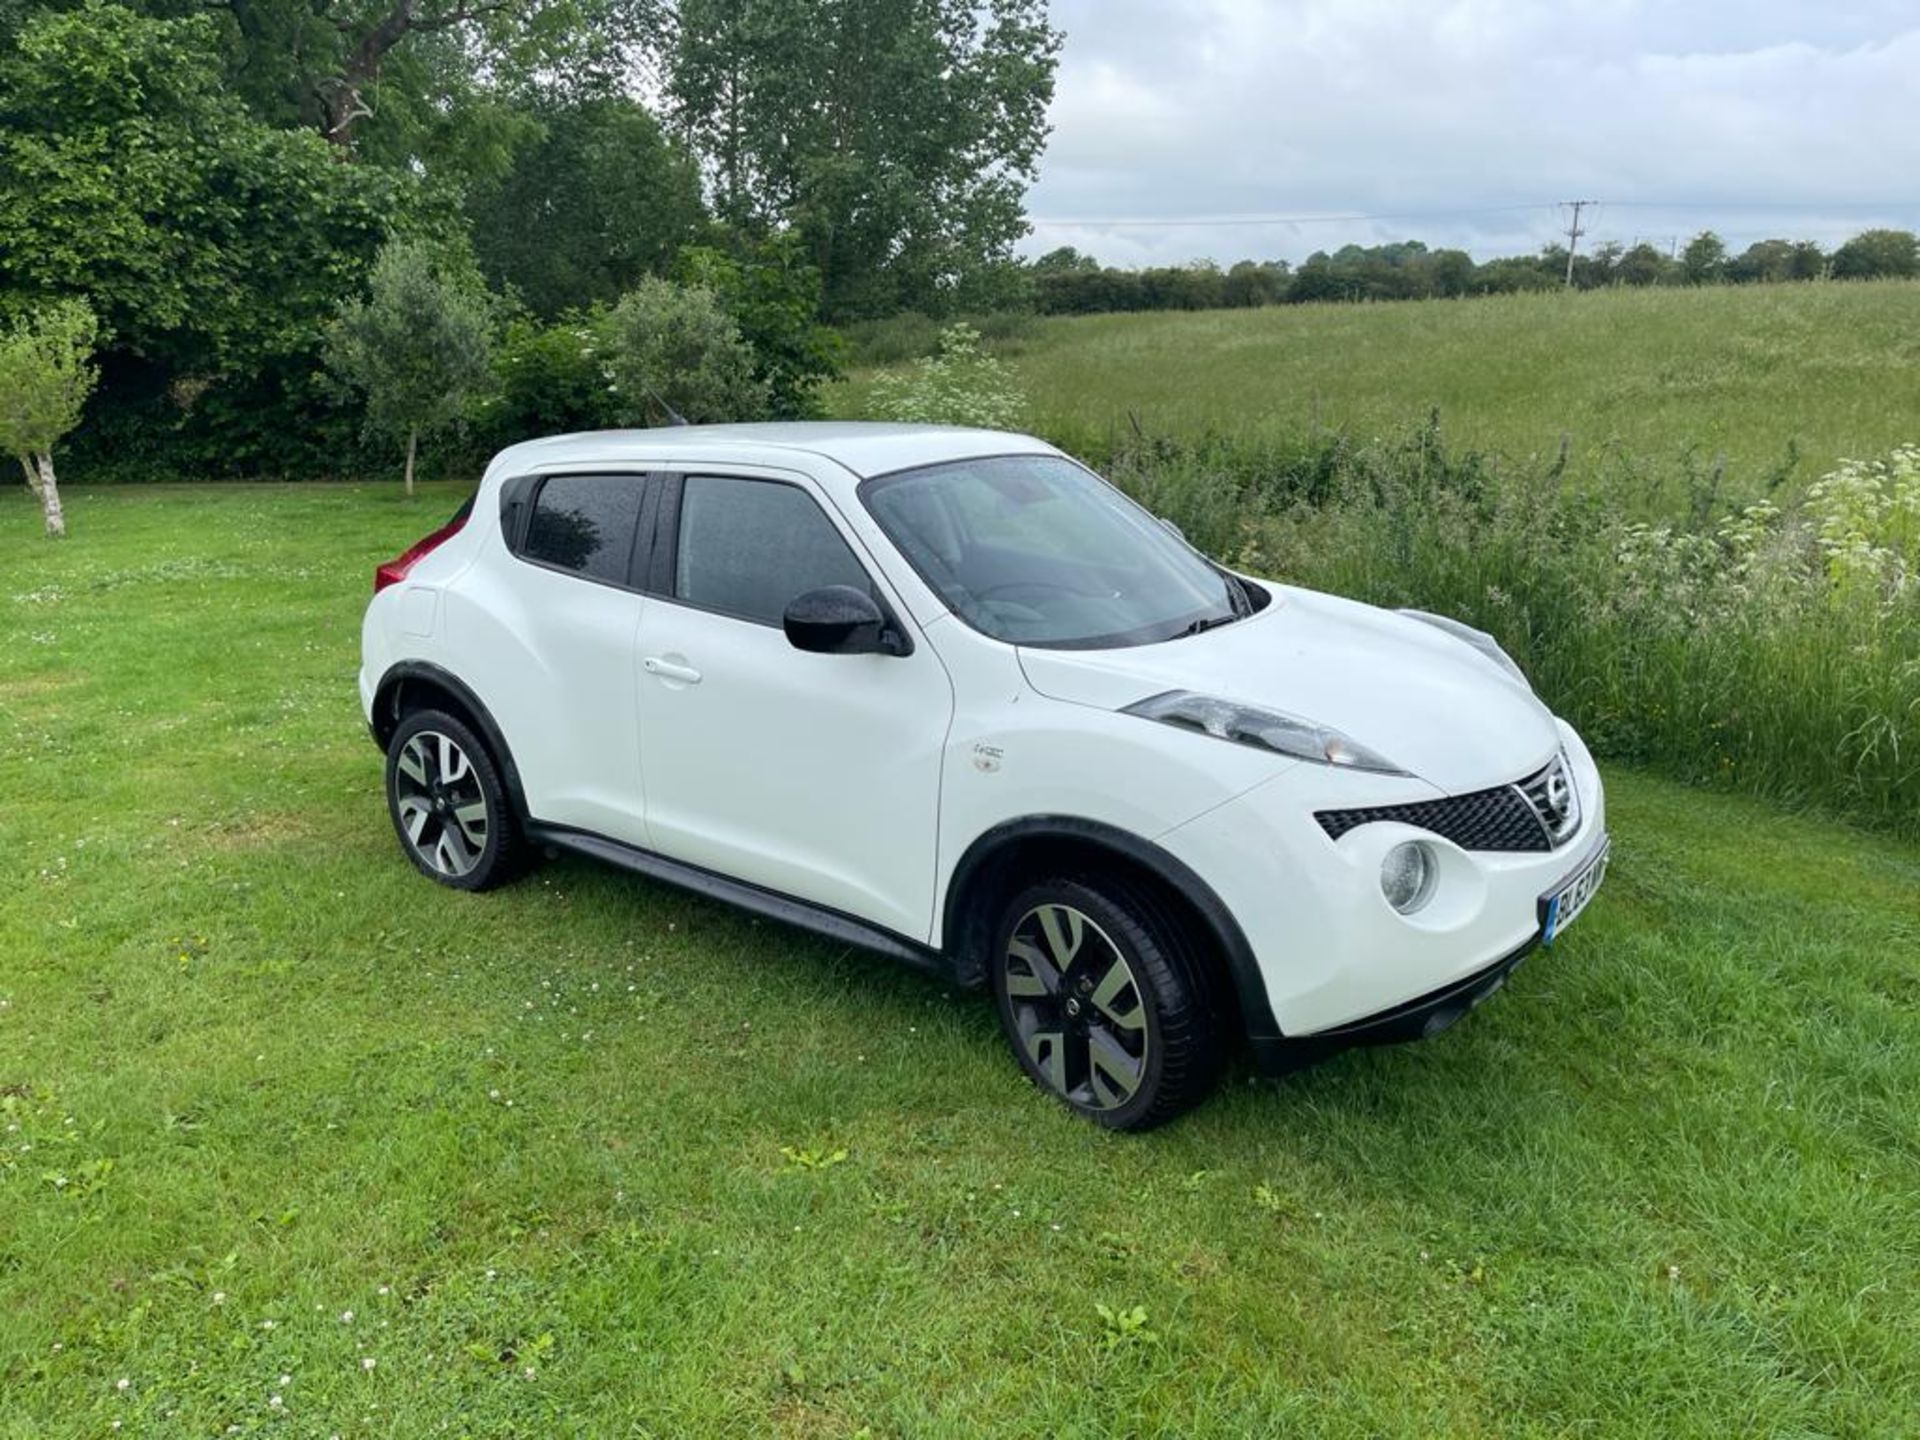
820	920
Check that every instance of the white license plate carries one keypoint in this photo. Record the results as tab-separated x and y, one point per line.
1559	907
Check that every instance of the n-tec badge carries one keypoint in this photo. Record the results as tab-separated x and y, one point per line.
986	758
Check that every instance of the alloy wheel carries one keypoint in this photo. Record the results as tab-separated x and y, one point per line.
1078	1007
442	808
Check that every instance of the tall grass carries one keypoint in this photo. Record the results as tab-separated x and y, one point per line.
1745	380
1771	647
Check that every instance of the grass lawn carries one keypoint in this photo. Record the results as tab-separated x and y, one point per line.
589	1156
1741	372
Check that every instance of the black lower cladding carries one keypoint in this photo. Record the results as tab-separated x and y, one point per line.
1415	1019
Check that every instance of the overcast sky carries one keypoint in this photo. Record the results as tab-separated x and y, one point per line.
1753	119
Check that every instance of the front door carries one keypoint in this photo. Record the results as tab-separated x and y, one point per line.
817	776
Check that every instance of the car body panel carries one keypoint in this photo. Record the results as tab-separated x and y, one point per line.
1428	702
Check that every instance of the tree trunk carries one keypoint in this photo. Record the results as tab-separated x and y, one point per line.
50	496
33	478
413	442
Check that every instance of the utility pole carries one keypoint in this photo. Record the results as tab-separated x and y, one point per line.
1574	232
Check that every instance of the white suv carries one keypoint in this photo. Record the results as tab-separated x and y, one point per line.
948	695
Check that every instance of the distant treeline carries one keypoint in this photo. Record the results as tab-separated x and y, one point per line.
1066	282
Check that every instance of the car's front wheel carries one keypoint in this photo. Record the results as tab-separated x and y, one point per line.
448	804
1103	1002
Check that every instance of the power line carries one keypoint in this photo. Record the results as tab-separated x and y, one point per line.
1176	222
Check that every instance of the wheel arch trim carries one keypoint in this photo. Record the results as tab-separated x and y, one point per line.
1250	990
387	714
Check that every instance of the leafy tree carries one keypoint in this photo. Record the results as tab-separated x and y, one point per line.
1876	254
416	347
772	293
400	81
673	347
1704	261
1642	265
1452	272
207	242
960	385
1065	261
600	198
46	373
896	136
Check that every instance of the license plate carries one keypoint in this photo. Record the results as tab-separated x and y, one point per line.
1559	907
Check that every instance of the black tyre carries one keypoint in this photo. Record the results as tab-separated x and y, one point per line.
1103	1002
448	804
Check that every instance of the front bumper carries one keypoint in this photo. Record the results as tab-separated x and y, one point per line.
1340	966
1416	1019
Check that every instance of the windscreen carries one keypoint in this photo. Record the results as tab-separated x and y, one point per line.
1036	550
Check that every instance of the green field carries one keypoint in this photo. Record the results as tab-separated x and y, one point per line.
588	1156
1643	376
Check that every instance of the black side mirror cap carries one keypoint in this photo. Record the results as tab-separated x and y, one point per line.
840	620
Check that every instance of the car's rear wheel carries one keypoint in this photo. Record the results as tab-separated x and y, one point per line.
1103	1002
448	804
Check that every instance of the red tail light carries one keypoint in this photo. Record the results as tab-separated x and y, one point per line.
396	569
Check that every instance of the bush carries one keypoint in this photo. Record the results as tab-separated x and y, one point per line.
960	385
770	290
1773	648
548	380
674	346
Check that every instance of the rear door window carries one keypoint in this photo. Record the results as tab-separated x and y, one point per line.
586	524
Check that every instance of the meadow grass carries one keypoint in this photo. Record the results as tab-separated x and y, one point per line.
1765	378
590	1156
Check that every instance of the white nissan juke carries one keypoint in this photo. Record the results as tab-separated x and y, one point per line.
949	695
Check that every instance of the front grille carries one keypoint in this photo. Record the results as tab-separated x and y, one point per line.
1540	812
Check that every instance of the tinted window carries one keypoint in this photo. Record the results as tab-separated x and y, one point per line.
585	523
748	547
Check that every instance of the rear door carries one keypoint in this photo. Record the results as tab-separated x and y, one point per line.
817	776
566	621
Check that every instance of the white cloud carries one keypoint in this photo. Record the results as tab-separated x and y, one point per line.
1753	119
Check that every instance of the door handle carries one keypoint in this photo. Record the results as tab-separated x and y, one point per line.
670	670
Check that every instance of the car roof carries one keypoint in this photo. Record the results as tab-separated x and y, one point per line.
863	448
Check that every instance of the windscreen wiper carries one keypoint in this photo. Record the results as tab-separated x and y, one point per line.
1208	622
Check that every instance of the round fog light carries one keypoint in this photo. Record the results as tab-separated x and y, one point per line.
1408	875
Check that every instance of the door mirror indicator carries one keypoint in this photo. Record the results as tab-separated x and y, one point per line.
840	620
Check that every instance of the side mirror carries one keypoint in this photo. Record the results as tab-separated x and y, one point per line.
840	620
1171	526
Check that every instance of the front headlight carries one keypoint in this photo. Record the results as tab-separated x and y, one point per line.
1478	639
1251	725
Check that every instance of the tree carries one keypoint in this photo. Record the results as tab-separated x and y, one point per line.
1704	261
401	80
1877	254
600	198
1065	260
46	374
1642	265
207	242
673	348
416	348
896	136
